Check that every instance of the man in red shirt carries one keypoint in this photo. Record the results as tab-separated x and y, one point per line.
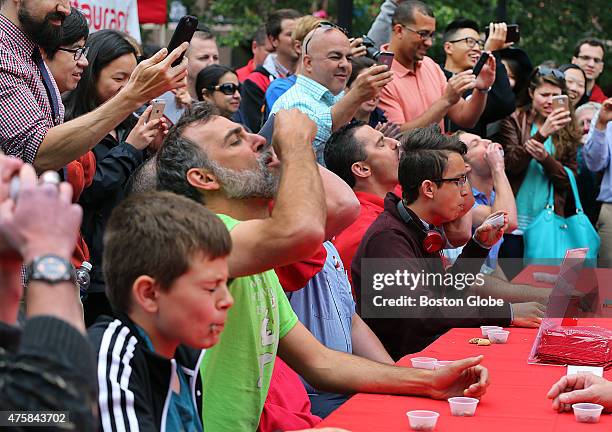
589	55
261	47
368	162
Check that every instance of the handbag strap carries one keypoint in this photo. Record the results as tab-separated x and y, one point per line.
572	180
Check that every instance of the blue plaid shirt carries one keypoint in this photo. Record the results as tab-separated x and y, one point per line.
314	100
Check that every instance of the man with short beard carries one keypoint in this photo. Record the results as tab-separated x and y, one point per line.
236	373
31	110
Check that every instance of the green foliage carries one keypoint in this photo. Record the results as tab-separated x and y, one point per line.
549	28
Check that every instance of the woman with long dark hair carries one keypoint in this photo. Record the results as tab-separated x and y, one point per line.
112	59
219	86
575	81
538	142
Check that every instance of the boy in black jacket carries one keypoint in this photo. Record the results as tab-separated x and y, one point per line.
165	263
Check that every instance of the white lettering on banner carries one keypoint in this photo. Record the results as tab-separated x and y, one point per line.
110	14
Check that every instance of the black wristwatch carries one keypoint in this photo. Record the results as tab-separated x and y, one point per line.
51	269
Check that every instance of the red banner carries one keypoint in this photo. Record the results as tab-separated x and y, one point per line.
152	11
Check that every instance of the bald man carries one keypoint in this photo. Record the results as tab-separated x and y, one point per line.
319	88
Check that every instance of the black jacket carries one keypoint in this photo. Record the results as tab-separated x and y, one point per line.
390	237
135	383
116	160
501	103
253	95
49	366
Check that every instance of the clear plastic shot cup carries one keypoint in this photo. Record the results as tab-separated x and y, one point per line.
485	329
424	362
587	412
498	336
443	363
422	420
463	406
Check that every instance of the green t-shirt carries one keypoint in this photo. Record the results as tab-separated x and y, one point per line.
236	372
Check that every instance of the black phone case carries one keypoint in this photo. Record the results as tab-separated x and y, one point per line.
184	31
480	63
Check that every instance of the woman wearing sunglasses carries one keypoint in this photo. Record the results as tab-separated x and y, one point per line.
219	86
538	140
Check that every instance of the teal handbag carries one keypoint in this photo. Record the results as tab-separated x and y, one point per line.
550	235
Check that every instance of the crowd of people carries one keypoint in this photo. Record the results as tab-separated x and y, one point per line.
227	237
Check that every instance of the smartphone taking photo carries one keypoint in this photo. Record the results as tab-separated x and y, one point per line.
560	101
385	58
184	31
157	109
480	63
512	35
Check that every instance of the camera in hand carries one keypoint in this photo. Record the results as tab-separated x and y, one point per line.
372	50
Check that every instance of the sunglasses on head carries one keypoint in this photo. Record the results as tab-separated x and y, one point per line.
546	71
324	25
227	88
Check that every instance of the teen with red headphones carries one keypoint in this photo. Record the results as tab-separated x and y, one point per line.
434	185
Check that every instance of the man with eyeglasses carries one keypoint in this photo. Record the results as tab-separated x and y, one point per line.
589	55
463	47
420	94
32	124
434	186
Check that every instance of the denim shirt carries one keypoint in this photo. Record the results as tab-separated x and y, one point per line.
325	305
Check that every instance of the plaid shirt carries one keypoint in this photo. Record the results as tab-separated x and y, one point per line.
316	101
25	110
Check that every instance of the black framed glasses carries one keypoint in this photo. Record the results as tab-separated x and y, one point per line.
470	42
326	25
546	71
459	181
78	52
423	34
227	88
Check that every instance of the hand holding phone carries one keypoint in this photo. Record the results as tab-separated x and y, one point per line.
184	31
512	34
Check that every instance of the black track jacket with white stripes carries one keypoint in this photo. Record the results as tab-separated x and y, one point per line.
134	382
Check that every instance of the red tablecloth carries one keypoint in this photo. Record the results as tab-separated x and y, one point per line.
515	400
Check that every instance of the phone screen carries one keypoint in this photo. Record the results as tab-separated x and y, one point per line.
386	58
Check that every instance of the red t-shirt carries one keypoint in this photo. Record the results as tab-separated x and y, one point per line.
244	71
597	95
348	240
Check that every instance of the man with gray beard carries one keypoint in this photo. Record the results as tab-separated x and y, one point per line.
236	373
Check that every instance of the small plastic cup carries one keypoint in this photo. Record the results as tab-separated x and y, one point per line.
463	406
424	362
498	336
587	412
485	329
422	420
442	363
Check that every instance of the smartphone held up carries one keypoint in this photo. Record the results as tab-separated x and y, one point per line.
184	31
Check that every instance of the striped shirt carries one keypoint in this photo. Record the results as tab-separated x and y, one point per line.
316	101
25	109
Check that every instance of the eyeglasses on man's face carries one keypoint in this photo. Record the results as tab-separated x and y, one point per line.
423	34
586	59
470	42
460	181
78	52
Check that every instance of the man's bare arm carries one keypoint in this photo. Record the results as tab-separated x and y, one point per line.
296	227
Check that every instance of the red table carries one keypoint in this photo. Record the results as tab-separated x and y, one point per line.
515	400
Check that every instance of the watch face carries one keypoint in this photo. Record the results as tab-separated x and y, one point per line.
51	268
